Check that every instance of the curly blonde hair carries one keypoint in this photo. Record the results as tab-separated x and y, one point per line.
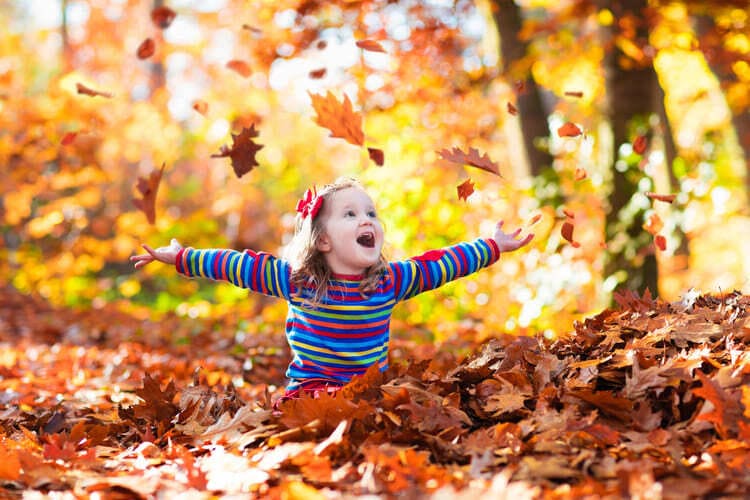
309	267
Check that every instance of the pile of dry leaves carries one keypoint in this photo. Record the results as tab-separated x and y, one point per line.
648	400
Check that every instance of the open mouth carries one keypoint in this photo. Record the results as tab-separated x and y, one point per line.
366	240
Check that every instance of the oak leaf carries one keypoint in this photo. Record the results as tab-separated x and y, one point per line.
157	405
242	152
465	189
472	158
338	117
162	17
148	188
569	129
370	45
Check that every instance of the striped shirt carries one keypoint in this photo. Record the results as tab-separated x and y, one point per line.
346	333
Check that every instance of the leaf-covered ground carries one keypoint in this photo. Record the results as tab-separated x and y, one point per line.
647	400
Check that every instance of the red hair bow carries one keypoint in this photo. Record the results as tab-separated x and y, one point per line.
310	204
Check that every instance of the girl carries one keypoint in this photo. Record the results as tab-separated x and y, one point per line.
340	289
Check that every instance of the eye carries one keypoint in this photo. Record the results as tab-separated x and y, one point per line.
349	213
372	214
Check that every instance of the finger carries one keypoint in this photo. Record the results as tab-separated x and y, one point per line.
515	233
150	250
527	239
499	224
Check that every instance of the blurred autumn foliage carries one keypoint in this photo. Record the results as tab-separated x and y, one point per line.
621	134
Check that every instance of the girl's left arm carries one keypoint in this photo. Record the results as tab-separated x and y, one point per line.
437	267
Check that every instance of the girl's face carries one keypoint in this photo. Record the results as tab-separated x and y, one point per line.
352	235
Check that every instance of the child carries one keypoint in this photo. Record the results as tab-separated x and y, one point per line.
340	289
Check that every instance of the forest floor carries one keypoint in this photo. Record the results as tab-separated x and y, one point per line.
646	400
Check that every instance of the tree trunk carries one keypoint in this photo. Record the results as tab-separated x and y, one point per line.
531	113
632	91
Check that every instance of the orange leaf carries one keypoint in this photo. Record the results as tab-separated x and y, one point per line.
162	17
574	93
317	73
535	219
567	232
200	106
240	67
370	45
568	213
10	465
640	144
660	242
148	189
569	130
146	49
580	174
512	109
242	152
465	189
377	156
653	224
471	158
68	138
668	198
338	117
83	89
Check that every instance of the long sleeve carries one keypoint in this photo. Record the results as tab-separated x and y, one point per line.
258	271
437	267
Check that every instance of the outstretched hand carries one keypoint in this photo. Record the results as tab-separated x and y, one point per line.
508	242
167	255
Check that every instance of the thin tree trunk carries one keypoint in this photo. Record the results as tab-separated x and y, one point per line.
631	91
531	113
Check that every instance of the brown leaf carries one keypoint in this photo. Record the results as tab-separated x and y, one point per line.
242	152
574	93
146	49
200	106
83	89
148	188
338	117
668	198
580	174
328	409
465	189
568	213
512	109
569	129
472	158
567	232
162	17
724	412
370	45
640	144
317	73
157	405
240	67
252	29
322	44
377	156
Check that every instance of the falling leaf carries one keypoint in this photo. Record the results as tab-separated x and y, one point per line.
512	109
318	73
660	242
569	213
148	188
472	158
580	174
640	144
242	152
322	44
465	189
68	138
668	198
567	232
520	86
574	93
83	89
370	45
146	49
338	117
200	106
535	219
162	17
254	30
569	129
653	224
240	67
377	156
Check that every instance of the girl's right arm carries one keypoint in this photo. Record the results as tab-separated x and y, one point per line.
260	272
